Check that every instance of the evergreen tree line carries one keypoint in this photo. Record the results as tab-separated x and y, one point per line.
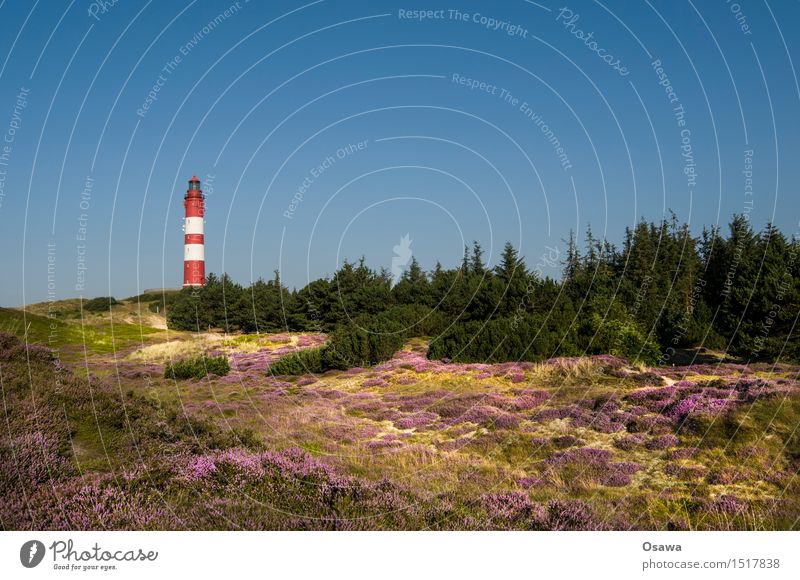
662	290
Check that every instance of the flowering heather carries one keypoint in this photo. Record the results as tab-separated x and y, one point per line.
610	361
569	412
654	424
650	379
565	441
199	467
529	399
375	383
616	479
584	456
513	507
684	472
361	397
570	515
529	482
726	476
654	398
279	384
291	463
698	404
367	406
342	433
454	406
683	453
483	415
626	467
629	442
311	340
420	419
329	393
607	403
506	421
662	442
722	369
729	504
462	452
31	458
383	444
607	424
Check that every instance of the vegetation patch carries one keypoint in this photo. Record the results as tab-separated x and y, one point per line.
197	368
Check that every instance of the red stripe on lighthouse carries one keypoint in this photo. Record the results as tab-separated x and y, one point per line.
194	273
194	207
193	239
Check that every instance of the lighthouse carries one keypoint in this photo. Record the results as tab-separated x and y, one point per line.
194	261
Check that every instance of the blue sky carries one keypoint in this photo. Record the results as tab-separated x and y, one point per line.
328	130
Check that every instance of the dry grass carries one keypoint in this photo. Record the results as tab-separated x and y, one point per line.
466	459
176	349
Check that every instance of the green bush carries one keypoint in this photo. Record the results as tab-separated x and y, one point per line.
197	368
311	360
349	346
410	319
100	304
625	338
355	346
529	338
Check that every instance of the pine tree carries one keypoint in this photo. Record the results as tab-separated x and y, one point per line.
476	263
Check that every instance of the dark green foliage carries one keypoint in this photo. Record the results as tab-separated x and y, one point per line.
531	338
349	346
197	368
100	304
626	338
311	360
356	346
662	290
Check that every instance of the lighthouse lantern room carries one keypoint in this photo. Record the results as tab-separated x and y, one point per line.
194	266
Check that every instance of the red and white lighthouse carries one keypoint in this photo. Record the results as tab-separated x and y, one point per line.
194	260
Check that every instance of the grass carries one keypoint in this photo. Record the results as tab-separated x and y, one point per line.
100	336
180	346
356	429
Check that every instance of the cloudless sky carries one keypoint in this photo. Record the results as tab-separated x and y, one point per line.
359	102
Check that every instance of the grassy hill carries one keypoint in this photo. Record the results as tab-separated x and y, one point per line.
99	334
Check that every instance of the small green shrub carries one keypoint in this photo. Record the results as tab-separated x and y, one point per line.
625	338
100	304
311	360
353	346
197	368
349	346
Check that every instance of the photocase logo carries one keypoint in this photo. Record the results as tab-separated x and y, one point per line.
31	553
401	258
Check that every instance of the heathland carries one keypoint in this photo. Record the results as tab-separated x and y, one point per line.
652	387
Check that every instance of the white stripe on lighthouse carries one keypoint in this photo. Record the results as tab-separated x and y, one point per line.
193	252
194	225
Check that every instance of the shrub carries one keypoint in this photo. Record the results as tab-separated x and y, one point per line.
360	344
311	360
100	304
626	338
410	320
197	368
531	338
354	346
